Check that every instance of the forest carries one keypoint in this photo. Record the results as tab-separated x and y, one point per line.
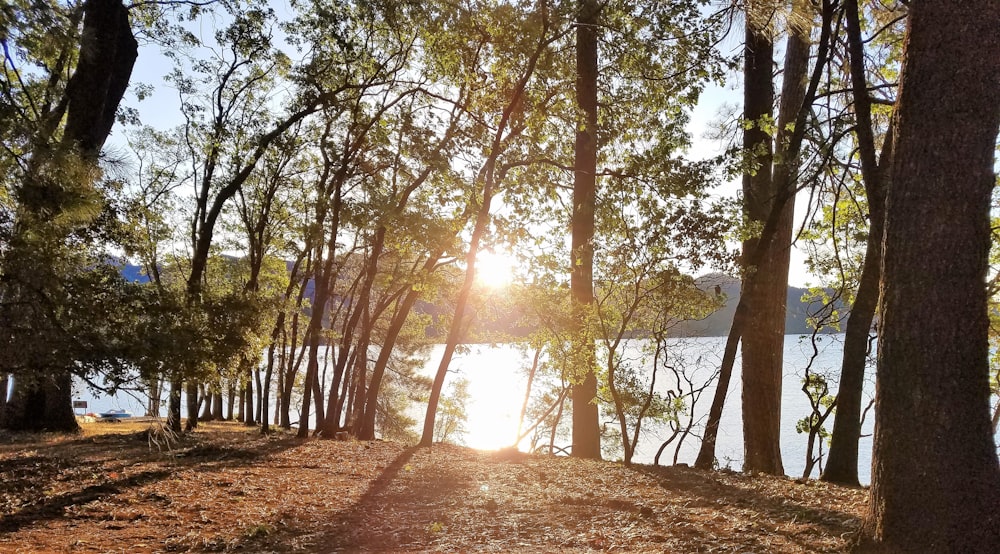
338	186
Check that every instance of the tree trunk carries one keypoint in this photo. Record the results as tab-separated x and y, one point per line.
46	405
231	401
586	424
763	338
251	413
108	51
155	388
358	308
174	406
935	475
192	405
366	429
842	463
205	403
217	404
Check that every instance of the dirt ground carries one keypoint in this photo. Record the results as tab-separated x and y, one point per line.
226	488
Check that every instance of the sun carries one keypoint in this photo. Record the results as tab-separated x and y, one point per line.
495	270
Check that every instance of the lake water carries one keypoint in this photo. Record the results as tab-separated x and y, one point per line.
497	373
496	376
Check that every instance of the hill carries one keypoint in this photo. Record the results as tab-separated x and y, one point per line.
716	325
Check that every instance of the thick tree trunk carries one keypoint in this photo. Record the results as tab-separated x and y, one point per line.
763	339
231	402
45	405
192	405
174	406
586	424
108	51
935	475
217	404
205	403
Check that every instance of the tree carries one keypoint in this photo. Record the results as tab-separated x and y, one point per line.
935	474
501	145
764	339
842	464
586	427
63	125
770	247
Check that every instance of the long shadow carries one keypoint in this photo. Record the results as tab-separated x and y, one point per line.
712	492
342	536
29	476
357	528
55	506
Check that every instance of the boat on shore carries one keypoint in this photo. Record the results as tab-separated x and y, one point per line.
115	414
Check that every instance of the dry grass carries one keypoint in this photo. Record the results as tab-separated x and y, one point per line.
225	488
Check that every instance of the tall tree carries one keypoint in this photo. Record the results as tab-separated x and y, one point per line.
935	474
586	427
57	197
842	463
763	341
776	224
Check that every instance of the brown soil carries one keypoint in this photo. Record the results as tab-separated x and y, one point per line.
225	488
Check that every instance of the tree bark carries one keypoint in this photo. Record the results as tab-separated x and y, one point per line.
842	462
763	339
43	405
586	424
935	475
108	51
192	405
217	404
174	406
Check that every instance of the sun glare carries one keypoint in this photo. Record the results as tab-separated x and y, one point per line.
495	393
495	269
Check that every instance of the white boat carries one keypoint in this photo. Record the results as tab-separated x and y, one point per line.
115	414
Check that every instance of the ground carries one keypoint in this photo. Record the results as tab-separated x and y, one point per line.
226	488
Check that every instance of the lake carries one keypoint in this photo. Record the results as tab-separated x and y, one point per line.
496	373
496	377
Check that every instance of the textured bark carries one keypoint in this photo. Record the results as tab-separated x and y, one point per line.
741	319
763	338
174	406
842	462
108	51
192	405
107	55
217	404
44	405
586	426
935	475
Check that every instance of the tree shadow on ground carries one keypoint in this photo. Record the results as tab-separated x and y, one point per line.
52	507
792	519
